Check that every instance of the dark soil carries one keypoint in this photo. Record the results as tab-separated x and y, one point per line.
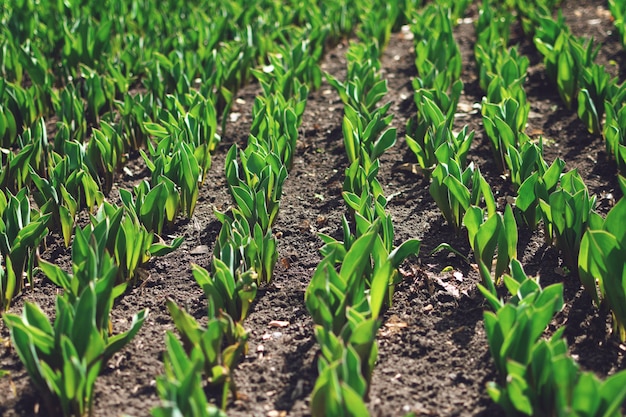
434	358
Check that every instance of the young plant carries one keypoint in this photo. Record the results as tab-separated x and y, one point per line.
454	190
601	263
176	160
596	85
377	22
366	140
275	123
230	290
539	183
180	389
196	126
292	66
218	363
154	207
345	313
98	91
131	244
504	123
493	28
21	233
618	11
244	247
368	210
22	108
436	51
537	377
106	152
133	115
91	263
70	110
530	311
523	161
490	235
340	388
256	183
53	198
32	153
64	358
614	132
431	138
364	86
565	57
566	214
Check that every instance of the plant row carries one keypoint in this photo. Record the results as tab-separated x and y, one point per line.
245	252
357	275
174	127
537	376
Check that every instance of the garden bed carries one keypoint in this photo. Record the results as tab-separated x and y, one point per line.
434	358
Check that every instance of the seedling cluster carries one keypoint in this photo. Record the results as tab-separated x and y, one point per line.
85	85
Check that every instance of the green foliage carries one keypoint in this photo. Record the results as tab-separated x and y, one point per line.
566	214
345	316
537	377
340	387
131	244
596	85
32	153
364	86
493	28
538	180
206	346
565	57
496	62
618	11
431	138
180	388
454	190
176	161
275	123
615	134
91	263
366	140
331	292
503	124
64	358
377	22
601	264
154	207
255	182
106	152
21	108
21	232
436	51
294	64
488	235
70	110
67	186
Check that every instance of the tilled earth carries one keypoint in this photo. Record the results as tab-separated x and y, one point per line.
434	358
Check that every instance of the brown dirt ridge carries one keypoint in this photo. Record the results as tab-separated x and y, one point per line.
434	359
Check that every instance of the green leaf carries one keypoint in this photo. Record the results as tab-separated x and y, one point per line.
161	249
408	248
386	141
358	257
351	142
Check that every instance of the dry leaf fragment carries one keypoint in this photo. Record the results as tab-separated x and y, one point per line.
398	325
200	250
